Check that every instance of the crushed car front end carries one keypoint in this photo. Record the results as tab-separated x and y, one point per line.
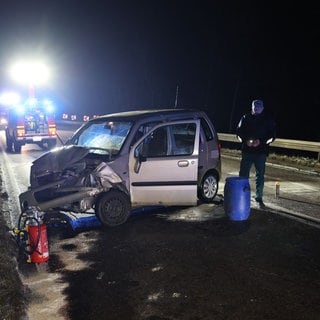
69	179
77	177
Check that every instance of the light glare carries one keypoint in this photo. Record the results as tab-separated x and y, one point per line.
30	73
9	98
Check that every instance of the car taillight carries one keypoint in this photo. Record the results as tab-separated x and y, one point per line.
20	131
52	129
219	149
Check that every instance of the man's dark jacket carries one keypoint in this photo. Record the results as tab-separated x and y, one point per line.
260	126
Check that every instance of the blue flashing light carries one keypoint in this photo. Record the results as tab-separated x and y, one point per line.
31	102
49	106
20	109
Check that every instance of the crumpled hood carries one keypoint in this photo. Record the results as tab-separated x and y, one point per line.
75	165
59	159
69	178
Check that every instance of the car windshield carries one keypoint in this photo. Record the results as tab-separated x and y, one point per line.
105	137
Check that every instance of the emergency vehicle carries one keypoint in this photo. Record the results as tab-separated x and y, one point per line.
3	118
32	122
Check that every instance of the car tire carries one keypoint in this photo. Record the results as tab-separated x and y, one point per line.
17	147
113	208
41	145
208	188
51	144
9	143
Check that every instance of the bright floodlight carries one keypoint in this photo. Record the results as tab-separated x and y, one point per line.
30	72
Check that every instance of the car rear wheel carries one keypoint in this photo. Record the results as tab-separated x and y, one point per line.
9	144
113	208
52	144
17	147
208	188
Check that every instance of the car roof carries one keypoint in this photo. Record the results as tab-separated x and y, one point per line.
153	113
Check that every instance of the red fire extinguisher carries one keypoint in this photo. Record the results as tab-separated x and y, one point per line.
38	243
32	237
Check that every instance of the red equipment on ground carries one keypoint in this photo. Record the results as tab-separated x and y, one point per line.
38	243
32	237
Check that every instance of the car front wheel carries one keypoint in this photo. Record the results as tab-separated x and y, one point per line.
9	144
208	188
17	147
51	144
113	208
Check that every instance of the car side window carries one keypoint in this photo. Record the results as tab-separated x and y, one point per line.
142	130
155	145
170	140
183	136
207	131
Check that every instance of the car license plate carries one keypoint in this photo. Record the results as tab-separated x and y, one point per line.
36	139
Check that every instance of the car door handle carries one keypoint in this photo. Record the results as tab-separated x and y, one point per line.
183	163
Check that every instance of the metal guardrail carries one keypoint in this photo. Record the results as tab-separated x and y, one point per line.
311	146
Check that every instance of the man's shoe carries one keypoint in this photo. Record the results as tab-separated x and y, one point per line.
261	204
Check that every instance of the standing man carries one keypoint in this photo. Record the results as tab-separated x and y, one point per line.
255	131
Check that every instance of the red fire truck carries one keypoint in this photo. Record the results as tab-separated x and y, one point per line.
31	123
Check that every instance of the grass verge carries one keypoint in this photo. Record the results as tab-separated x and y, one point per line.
12	291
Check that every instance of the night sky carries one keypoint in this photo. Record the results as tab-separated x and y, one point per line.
109	56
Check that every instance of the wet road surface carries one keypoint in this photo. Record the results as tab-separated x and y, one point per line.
191	263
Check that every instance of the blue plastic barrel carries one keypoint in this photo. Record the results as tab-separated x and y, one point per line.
237	198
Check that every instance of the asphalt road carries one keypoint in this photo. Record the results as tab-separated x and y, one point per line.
184	264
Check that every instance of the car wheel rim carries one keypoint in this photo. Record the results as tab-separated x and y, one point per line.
209	187
114	209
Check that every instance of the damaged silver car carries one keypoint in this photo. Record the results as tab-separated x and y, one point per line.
125	160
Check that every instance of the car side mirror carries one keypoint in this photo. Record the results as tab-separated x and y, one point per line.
136	153
140	157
